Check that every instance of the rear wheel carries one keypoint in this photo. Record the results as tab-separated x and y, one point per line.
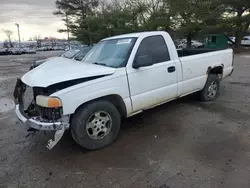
96	125
211	89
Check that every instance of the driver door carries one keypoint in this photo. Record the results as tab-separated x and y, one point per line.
153	84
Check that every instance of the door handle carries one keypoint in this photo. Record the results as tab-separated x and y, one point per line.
171	69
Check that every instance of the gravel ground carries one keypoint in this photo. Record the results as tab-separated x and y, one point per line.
181	144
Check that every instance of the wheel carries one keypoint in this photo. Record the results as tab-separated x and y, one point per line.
96	125
211	89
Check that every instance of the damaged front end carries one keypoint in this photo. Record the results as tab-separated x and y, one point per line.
38	116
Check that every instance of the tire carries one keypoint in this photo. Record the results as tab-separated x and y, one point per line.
211	90
88	121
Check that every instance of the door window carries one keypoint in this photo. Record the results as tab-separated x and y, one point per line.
155	47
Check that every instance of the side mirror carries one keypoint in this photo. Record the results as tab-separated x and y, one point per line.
143	61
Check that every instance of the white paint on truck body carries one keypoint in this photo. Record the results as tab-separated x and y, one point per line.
140	88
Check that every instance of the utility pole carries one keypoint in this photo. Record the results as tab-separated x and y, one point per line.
18	34
67	25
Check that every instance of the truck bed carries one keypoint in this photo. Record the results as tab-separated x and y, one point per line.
195	63
189	52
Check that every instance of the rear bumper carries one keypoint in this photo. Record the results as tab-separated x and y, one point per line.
41	124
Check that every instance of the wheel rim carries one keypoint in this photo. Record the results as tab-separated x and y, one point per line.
99	125
212	90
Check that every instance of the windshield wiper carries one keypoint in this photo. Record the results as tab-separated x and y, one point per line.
103	64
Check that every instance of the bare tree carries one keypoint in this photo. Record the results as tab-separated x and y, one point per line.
8	33
37	37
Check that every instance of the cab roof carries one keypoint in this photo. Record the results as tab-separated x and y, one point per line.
136	35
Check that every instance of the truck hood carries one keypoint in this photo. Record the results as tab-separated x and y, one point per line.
59	70
39	62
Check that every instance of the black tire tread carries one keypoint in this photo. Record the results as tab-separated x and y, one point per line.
203	93
78	123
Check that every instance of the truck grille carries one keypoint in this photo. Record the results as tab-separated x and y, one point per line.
49	113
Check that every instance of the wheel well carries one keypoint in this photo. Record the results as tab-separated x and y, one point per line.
215	70
116	100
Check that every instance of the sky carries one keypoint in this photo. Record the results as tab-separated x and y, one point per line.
34	17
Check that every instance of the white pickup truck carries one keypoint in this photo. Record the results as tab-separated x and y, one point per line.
120	77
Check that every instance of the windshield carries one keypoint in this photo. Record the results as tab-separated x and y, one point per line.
111	53
70	54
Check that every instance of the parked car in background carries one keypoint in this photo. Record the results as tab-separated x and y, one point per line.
194	44
82	53
41	49
29	50
120	77
58	48
45	48
15	51
66	49
177	42
69	54
76	54
19	51
245	41
4	51
232	38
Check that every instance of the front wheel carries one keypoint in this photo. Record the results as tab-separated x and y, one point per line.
96	125
211	89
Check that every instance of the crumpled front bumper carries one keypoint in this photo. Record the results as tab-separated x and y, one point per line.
38	123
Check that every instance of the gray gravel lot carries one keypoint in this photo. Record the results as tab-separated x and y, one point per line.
182	144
